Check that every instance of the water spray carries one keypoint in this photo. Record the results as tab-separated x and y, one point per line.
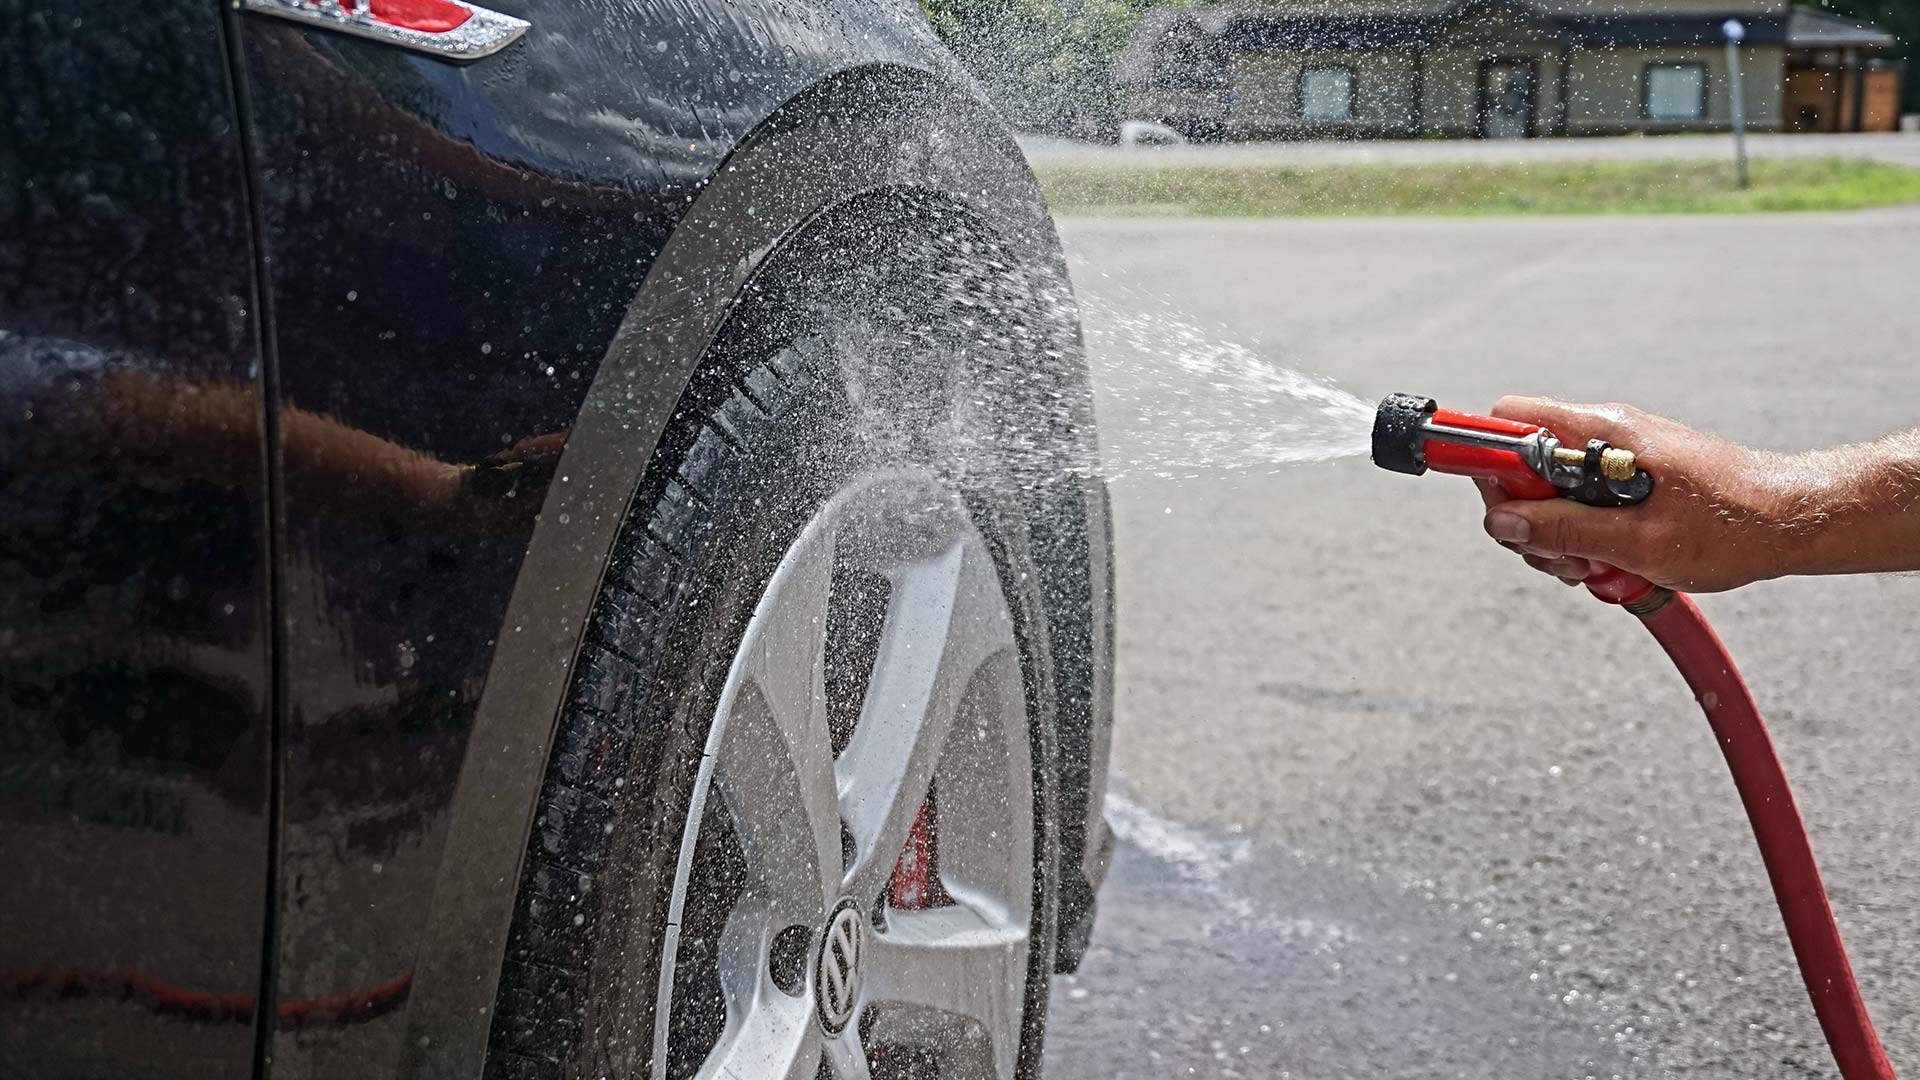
1414	435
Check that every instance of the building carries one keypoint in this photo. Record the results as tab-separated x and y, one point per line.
1500	68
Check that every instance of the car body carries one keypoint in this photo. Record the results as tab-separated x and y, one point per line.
328	369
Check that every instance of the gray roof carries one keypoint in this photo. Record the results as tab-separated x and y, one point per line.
1303	24
1820	29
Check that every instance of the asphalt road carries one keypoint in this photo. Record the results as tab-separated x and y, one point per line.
1394	806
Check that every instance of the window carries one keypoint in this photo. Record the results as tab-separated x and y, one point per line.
1326	93
1676	91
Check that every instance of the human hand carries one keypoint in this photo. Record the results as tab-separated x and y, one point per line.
1720	516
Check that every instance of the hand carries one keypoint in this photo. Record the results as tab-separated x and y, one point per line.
1720	516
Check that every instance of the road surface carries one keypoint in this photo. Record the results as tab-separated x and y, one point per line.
1392	805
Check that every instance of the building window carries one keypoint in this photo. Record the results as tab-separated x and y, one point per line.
1676	91
1326	93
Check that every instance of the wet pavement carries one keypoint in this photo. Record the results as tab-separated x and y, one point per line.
1220	957
1392	805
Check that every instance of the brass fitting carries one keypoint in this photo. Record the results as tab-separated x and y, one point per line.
1615	463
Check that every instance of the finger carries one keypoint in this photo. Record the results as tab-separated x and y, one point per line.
1572	422
1567	568
1539	562
1560	527
1553	567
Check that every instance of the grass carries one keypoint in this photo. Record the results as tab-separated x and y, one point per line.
1612	187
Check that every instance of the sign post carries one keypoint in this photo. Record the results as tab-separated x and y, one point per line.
1736	33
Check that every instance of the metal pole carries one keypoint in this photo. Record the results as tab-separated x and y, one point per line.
1738	100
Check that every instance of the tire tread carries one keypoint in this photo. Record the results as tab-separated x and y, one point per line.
540	1021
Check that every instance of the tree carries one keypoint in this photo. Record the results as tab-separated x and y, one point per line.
1047	64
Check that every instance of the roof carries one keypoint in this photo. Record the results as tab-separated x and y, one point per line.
1316	24
1825	30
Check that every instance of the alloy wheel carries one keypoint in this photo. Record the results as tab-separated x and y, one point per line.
855	885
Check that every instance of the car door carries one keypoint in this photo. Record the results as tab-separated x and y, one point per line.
135	675
442	286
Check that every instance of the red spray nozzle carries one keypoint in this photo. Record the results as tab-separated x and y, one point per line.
1413	434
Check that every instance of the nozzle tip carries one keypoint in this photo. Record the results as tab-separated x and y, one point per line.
1396	433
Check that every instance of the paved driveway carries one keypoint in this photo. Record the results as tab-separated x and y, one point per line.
1393	806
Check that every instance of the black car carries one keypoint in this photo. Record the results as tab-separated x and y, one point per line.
550	541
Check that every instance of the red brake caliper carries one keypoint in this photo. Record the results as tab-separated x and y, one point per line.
915	885
916	877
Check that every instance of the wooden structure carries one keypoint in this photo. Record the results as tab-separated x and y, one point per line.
1835	77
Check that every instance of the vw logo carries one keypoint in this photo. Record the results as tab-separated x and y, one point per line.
837	978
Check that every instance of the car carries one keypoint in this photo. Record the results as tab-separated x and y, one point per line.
552	539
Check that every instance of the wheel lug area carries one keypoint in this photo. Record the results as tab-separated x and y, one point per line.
787	959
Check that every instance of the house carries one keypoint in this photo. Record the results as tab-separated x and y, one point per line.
1500	68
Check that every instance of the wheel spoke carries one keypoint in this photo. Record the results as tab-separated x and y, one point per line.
949	977
985	843
775	770
946	617
777	1041
769	1033
775	814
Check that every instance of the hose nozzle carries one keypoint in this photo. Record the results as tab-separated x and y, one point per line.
1412	434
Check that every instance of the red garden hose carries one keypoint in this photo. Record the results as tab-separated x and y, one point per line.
1676	623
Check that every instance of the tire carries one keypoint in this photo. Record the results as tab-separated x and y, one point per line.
858	393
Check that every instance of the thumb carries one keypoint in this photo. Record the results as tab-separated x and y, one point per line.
1557	527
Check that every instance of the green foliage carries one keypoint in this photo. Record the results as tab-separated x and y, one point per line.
1048	64
1901	18
1616	187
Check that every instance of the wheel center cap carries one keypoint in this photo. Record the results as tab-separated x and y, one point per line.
837	972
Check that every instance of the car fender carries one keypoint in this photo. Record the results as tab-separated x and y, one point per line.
888	126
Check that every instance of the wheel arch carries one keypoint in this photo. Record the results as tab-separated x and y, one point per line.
889	127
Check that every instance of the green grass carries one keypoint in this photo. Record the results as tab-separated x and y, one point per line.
1613	187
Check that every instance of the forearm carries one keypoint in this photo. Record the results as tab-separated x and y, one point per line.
1852	509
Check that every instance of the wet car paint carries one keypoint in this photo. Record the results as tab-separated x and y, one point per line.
448	252
135	686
